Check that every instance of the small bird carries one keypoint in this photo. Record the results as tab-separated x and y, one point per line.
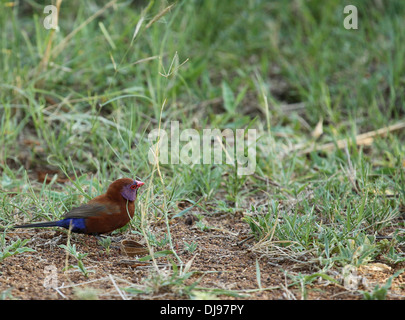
103	213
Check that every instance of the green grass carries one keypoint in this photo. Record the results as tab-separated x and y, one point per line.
276	66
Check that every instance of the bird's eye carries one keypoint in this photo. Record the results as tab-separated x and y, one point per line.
133	187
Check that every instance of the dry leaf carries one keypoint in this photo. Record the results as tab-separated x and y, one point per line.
47	176
375	267
318	129
132	248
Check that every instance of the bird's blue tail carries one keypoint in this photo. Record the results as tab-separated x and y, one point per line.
76	224
39	224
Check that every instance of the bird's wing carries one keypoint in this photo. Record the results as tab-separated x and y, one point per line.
92	210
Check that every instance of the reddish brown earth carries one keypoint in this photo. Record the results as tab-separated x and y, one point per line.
222	260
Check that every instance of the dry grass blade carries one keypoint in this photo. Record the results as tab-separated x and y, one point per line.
274	252
361	139
122	294
159	15
137	28
351	172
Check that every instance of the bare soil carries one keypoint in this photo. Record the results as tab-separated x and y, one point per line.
222	260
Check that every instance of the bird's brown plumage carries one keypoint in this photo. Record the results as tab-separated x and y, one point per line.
104	213
120	209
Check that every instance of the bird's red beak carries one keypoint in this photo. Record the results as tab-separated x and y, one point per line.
139	183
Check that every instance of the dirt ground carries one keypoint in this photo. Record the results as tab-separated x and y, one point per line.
223	260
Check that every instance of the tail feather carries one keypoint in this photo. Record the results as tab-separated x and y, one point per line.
39	225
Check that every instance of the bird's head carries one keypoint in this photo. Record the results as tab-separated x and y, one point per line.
129	191
127	188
